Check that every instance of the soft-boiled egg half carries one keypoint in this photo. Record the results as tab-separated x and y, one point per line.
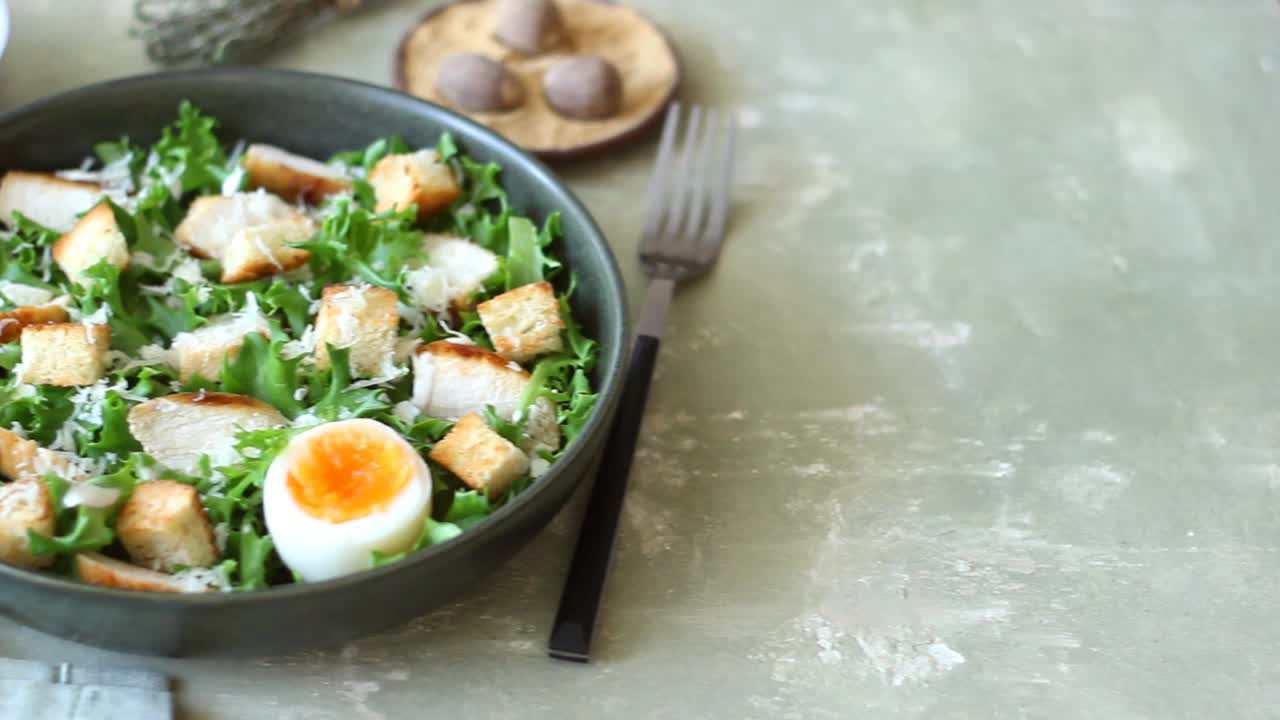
341	490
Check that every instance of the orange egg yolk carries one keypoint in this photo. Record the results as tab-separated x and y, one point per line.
342	476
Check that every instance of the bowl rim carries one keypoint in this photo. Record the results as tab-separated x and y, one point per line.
608	392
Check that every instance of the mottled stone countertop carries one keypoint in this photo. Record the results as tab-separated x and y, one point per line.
979	416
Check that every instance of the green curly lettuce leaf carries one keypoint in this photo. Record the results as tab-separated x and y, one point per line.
482	211
369	156
105	286
254	553
191	145
524	254
110	435
177	312
356	243
581	402
468	508
563	377
24	255
506	428
40	410
83	528
433	532
338	400
10	356
259	370
236	501
423	432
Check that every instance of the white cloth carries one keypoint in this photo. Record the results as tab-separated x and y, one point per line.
35	691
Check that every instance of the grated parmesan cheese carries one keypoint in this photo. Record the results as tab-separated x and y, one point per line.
199	579
456	337
90	495
304	345
538	467
101	316
19	294
220	533
387	372
235	178
406	412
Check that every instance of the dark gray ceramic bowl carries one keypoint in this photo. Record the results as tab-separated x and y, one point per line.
315	115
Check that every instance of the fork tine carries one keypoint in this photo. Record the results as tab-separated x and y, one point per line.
701	186
714	234
655	198
682	178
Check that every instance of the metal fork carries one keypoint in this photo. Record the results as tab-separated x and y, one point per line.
688	206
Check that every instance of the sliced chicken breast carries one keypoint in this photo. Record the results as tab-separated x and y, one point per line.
292	176
456	267
177	429
213	220
451	380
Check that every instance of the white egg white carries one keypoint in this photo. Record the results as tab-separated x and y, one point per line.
316	549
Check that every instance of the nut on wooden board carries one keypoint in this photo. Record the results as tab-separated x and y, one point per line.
560	78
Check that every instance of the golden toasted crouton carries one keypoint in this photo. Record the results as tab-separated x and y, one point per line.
96	237
177	429
163	525
99	569
456	268
292	176
201	351
480	457
24	505
364	318
65	353
262	250
12	321
213	220
48	199
523	323
23	459
414	179
451	380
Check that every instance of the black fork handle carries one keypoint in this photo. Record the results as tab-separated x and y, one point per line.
580	603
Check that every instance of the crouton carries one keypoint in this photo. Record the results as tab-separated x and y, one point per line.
163	525
212	220
364	318
13	321
178	429
200	351
96	237
292	176
23	459
451	380
65	353
262	250
48	199
523	323
455	268
24	506
20	295
414	179
98	569
480	457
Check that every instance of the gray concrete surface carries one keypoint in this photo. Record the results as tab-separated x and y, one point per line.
978	418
